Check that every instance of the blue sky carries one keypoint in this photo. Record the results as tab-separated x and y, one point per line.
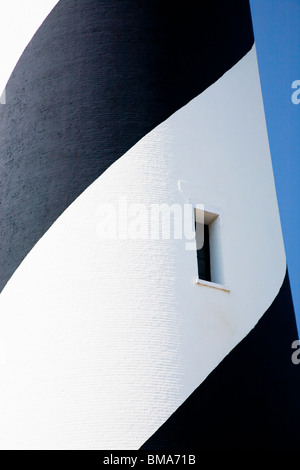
277	36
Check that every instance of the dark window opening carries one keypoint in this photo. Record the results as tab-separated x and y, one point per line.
203	255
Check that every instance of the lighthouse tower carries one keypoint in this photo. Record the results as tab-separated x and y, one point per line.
115	336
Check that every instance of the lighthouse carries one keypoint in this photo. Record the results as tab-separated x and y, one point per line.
116	335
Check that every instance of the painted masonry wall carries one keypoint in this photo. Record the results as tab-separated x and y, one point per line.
125	334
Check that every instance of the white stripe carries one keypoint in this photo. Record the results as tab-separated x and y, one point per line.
105	339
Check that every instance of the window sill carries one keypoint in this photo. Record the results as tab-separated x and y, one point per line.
214	285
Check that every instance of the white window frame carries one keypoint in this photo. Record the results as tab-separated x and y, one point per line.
212	217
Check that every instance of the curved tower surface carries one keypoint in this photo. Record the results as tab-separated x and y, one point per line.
112	336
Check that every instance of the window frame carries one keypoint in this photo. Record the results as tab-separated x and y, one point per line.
211	217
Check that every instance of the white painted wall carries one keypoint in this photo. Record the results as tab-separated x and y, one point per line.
105	339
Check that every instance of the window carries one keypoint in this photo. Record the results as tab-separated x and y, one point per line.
203	253
208	248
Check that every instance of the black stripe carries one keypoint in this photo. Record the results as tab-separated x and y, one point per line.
95	79
251	400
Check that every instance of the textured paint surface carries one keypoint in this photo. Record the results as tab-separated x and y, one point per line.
251	400
95	79
106	339
101	341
